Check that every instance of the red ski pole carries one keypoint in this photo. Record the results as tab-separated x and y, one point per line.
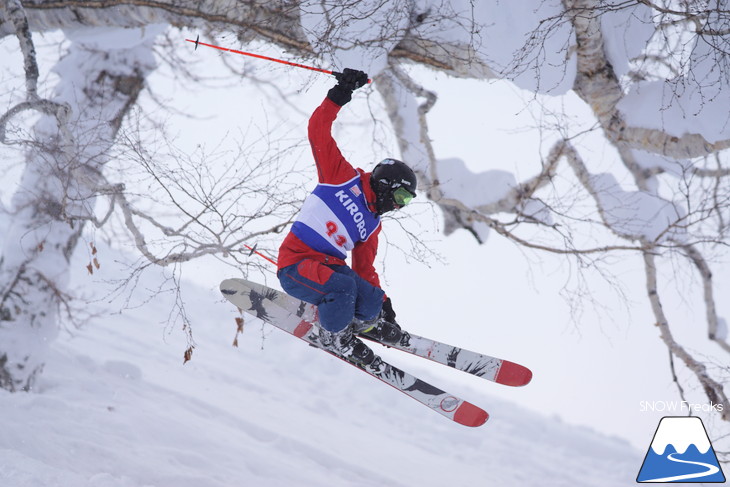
267	58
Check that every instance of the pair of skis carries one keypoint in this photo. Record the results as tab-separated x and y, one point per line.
298	318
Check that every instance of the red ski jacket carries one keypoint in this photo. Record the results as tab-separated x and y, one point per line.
332	168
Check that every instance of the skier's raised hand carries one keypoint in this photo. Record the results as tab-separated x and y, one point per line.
352	79
347	81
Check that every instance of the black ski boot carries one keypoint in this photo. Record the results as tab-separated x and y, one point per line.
381	331
346	344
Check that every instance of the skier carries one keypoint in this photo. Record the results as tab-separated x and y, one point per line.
343	213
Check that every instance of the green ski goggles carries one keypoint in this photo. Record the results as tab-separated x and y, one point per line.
402	196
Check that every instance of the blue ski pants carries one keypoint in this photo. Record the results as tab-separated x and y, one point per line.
338	292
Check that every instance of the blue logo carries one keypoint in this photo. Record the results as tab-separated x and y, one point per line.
680	452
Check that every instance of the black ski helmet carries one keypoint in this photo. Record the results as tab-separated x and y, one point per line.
394	185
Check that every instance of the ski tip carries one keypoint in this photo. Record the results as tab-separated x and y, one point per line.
470	415
512	374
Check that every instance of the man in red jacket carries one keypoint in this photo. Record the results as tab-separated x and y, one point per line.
343	214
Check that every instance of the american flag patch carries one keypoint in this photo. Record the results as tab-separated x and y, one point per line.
355	190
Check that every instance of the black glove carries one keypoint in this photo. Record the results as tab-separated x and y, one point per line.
347	81
351	79
388	314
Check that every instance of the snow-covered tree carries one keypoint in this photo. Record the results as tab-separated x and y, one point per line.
78	164
100	79
653	74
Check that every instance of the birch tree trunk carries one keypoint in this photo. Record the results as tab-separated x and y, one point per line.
99	82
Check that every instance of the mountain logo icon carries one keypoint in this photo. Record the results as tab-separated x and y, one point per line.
680	451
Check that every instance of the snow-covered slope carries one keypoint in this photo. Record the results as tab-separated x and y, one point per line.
117	408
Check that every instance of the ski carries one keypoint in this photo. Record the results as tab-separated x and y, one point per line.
262	304
490	368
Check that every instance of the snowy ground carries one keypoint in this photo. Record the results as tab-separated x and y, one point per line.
117	408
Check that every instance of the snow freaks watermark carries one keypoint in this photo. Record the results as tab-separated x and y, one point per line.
680	451
679	407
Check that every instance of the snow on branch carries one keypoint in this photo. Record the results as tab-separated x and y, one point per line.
665	117
680	119
471	200
61	111
631	215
